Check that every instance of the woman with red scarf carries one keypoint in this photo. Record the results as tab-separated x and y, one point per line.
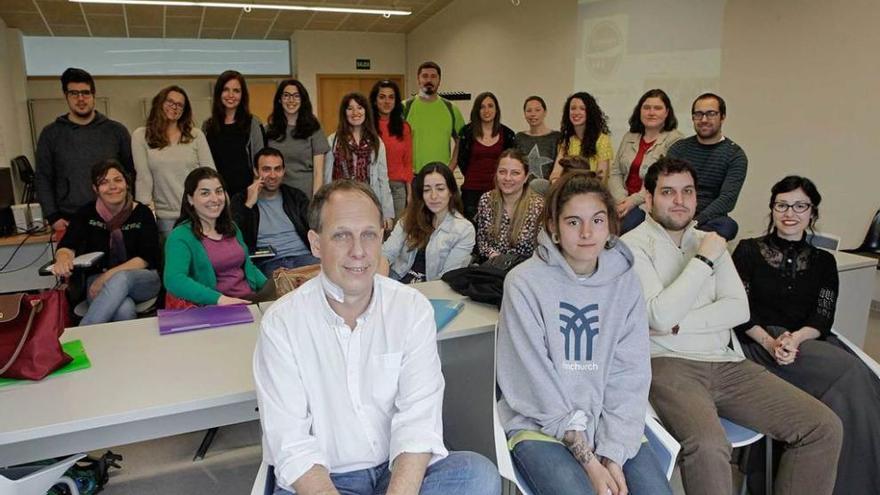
125	231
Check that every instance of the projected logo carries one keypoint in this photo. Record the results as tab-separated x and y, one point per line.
603	49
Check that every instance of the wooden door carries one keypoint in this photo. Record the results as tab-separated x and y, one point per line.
261	94
332	87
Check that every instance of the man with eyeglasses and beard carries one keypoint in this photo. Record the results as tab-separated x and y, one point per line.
69	147
720	164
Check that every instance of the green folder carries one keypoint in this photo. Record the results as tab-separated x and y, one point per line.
75	350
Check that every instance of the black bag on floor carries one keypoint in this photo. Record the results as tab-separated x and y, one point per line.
89	474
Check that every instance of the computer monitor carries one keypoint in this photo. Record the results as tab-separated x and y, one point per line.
7	195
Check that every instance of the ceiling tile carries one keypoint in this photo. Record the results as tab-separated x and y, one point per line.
144	31
221	33
17	6
252	29
69	30
30	24
322	25
221	18
182	27
61	12
264	14
184	11
93	8
279	34
107	25
357	23
292	20
144	16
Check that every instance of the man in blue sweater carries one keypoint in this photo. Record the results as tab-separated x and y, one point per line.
720	164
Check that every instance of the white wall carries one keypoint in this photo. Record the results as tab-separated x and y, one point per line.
14	130
335	52
801	78
513	51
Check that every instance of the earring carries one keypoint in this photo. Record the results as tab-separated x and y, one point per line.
554	238
611	242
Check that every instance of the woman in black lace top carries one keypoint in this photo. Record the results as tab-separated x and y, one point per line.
792	288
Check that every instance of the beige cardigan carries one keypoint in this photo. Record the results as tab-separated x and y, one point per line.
626	153
681	290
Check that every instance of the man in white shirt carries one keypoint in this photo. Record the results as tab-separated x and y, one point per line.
695	297
347	372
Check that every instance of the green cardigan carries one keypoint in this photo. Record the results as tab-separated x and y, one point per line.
189	274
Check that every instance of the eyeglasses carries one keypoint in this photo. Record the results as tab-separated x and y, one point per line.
290	96
798	207
173	104
711	114
73	93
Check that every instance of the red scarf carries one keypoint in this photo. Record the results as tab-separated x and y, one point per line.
114	223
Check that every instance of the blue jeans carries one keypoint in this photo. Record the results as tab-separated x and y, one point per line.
117	298
272	264
461	473
724	226
550	469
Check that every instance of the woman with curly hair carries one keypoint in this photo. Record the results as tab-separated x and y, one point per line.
165	151
584	133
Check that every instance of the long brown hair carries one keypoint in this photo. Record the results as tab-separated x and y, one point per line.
218	110
477	122
496	201
157	123
571	184
418	220
344	129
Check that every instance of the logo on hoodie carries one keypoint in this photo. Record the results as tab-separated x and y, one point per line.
579	326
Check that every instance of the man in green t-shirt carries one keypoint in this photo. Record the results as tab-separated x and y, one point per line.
434	120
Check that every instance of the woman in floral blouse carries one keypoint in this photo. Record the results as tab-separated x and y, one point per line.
508	216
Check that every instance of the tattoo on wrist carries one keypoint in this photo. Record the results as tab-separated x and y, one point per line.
577	445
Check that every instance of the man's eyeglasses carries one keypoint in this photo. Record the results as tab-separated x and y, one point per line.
711	114
290	97
173	104
798	207
73	93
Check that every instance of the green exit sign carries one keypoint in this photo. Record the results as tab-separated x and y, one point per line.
362	64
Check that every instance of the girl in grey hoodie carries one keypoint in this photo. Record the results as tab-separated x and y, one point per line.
573	354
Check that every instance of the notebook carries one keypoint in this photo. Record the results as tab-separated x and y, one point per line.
445	310
184	320
73	349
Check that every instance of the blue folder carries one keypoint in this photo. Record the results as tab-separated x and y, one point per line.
445	310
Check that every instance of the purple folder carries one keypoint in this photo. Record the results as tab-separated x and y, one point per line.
184	320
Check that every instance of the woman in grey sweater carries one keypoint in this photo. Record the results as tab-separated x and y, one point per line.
573	354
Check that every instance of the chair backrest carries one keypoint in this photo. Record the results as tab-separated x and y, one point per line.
24	169
262	482
868	360
738	435
35	480
824	240
871	244
663	445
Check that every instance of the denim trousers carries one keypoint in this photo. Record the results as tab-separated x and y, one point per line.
398	196
461	473
117	298
550	469
724	226
272	264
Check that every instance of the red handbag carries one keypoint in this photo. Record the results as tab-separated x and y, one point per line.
30	326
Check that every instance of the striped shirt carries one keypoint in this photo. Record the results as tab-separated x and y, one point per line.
721	171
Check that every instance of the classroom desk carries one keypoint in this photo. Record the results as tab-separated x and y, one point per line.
21	273
856	275
140	386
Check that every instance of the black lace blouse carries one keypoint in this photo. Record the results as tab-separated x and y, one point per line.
789	284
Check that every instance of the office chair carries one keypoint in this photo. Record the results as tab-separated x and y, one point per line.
871	245
25	173
37	480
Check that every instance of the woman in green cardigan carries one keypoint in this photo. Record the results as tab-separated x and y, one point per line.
206	259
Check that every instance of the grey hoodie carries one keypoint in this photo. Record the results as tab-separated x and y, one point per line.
66	152
573	352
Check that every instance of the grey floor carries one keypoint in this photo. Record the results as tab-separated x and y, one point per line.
165	466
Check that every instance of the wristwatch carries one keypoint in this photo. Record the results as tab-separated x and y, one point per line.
705	260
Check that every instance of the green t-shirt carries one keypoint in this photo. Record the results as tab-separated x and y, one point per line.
432	129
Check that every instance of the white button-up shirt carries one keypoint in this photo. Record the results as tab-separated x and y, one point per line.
348	399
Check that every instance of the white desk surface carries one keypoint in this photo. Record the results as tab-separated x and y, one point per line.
136	376
474	319
849	261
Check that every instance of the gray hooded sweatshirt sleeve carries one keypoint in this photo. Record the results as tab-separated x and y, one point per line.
573	352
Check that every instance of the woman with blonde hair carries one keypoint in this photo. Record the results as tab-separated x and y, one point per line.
508	216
